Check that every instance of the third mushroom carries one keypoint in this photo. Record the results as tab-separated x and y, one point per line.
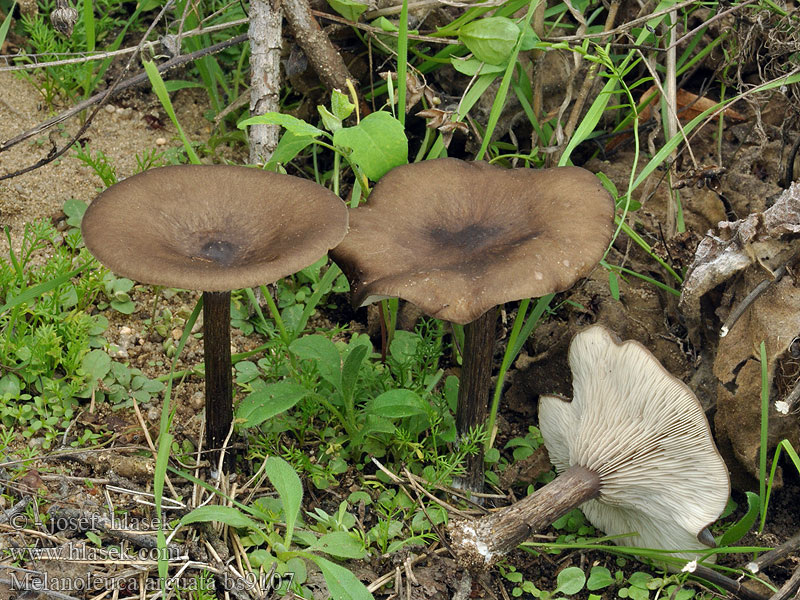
458	239
633	449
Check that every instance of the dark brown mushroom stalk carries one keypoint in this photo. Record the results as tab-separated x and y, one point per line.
458	239
213	228
633	449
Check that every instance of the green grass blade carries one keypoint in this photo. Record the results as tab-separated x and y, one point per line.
6	24
762	453
163	96
402	63
502	92
88	24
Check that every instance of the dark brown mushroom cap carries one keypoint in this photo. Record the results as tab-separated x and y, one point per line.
456	238
212	227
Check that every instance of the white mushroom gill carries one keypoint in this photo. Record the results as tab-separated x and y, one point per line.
645	434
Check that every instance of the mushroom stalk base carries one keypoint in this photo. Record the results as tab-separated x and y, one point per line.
219	385
478	544
473	391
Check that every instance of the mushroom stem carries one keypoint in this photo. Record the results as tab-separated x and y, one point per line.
219	385
473	391
479	543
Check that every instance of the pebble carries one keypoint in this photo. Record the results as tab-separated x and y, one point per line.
198	400
110	108
161	141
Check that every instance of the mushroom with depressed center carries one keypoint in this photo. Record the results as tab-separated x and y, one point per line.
213	228
633	448
458	239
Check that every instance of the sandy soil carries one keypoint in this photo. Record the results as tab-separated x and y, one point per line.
120	131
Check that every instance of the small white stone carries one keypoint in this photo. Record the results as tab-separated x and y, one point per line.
161	141
110	108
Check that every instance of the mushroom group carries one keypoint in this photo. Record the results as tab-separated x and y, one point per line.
633	449
213	228
458	239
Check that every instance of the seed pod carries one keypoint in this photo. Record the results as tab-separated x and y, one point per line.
64	18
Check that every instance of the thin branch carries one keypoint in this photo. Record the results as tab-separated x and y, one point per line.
775	555
749	299
84	57
371	29
622	28
706	23
726	583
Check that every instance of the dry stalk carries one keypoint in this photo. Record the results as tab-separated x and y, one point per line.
265	77
150	443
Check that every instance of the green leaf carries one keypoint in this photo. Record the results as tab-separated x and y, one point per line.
613	284
331	122
570	581
349	9
324	353
126	307
342	584
286	482
374	424
378	143
639	579
472	66
289	146
384	24
10	385
396	404
341	107
97	364
599	577
74	210
529	39
404	346
340	544
223	514
491	40
290	123
178	84
350	369
270	401
739	529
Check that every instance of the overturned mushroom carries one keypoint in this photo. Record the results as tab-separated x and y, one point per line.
213	228
458	239
633	449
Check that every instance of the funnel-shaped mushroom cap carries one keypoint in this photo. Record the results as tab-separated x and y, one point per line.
645	434
457	238
213	228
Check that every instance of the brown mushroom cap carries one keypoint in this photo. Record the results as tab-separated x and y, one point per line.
456	238
212	227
